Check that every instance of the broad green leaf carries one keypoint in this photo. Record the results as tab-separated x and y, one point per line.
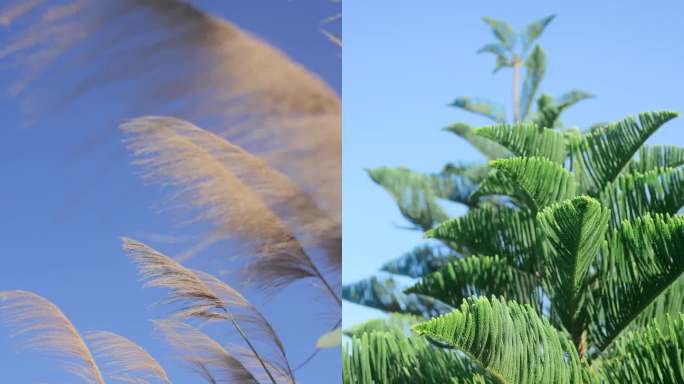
492	231
332	339
380	357
527	139
572	232
419	262
503	32
535	69
634	194
651	355
640	262
479	276
604	152
652	157
533	182
384	294
488	148
485	108
534	30
510	341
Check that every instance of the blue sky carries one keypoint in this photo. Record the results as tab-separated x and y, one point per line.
62	216
404	61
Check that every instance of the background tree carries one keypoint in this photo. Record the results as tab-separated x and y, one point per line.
419	196
541	245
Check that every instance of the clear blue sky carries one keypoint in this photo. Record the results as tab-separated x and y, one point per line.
404	61
62	218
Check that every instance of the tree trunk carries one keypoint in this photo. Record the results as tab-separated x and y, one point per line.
516	89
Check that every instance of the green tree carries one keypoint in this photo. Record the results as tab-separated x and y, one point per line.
419	196
567	268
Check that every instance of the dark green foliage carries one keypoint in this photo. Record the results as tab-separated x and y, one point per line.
510	341
549	110
640	262
477	276
414	194
633	194
651	356
489	148
384	294
572	233
533	182
509	233
604	152
527	139
417	194
419	262
657	156
382	357
568	266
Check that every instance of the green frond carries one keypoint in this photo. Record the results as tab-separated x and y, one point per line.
640	262
388	358
657	156
510	341
492	231
481	107
533	182
503	32
572	97
632	195
494	48
534	30
595	126
400	323
455	187
668	303
479	276
651	355
419	262
473	172
384	294
415	195
535	69
527	139
604	152
549	110
572	232
500	52
488	148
